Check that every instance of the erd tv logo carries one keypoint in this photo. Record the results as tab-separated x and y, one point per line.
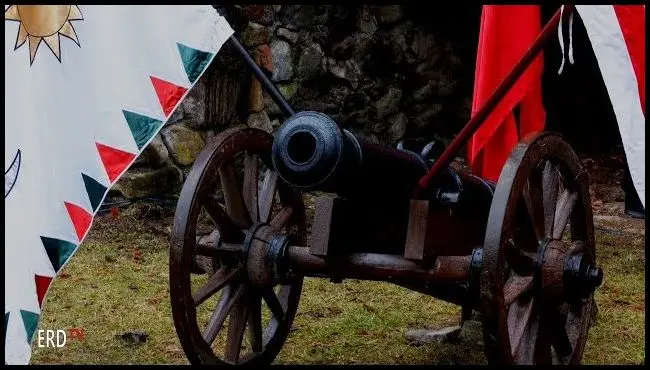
59	338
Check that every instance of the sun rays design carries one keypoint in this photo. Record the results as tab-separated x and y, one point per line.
44	23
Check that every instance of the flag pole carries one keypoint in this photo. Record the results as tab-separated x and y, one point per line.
499	93
270	88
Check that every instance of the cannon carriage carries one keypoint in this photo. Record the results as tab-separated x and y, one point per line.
520	252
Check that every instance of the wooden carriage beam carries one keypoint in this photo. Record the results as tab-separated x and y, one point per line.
379	267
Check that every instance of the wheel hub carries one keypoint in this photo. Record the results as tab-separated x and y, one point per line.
559	274
265	252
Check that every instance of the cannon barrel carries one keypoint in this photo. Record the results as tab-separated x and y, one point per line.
311	152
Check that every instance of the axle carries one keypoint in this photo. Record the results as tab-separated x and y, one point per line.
271	258
373	266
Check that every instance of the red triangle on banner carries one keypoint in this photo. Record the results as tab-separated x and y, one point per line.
80	219
114	160
42	285
168	94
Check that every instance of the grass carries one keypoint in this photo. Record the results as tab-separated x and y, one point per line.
118	281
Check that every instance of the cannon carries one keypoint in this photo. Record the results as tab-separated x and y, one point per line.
520	252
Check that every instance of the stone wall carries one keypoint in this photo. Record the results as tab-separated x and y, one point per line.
384	72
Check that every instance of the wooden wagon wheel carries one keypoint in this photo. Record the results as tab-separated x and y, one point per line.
237	213
538	274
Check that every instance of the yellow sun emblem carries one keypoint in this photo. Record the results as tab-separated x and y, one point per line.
44	23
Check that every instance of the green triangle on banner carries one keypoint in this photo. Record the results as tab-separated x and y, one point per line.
194	61
95	191
142	127
6	324
30	320
58	251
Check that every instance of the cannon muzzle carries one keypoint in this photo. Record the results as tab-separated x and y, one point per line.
310	151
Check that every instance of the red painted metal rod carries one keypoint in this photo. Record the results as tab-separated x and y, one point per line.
499	93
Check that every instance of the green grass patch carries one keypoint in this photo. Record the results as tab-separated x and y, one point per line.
118	282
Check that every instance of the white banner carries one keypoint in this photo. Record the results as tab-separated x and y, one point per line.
86	89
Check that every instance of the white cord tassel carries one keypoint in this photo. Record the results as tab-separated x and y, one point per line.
561	38
571	38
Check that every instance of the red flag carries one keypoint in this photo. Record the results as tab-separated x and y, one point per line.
507	32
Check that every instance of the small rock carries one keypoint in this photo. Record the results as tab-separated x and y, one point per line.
363	45
344	49
183	144
388	14
310	64
367	22
439	86
419	337
398	35
177	115
282	66
288	35
255	34
397	127
143	182
288	90
424	45
155	154
263	57
304	16
260	120
134	337
426	117
270	107
277	8
255	96
348	70
320	34
323	14
472	332
389	103
194	107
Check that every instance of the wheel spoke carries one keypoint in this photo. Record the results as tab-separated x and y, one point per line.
236	327
515	287
225	305
550	186
522	328
250	185
235	204
212	250
524	234
255	322
563	212
281	219
543	354
534	203
274	304
267	195
215	283
227	229
560	337
519	260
